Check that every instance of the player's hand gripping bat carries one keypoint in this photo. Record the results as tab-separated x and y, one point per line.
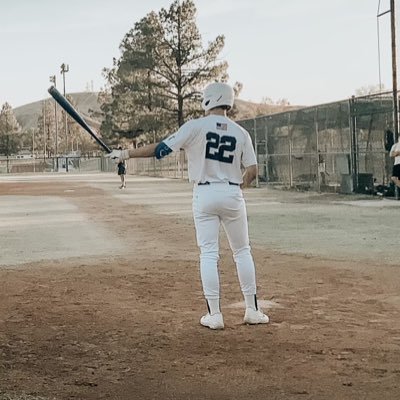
70	110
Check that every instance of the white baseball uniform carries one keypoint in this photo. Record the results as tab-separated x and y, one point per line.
216	147
395	147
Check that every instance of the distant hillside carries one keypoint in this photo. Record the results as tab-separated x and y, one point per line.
85	102
28	114
248	109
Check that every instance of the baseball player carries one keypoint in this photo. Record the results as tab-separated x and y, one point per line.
216	148
122	171
395	153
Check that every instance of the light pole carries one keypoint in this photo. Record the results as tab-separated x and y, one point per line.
64	69
53	80
33	150
44	131
392	12
394	69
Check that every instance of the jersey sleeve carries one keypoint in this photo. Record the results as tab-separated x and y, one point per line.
248	156
181	138
393	149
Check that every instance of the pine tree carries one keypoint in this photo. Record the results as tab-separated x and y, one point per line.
10	140
45	136
155	85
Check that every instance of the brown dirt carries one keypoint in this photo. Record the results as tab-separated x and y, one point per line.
126	327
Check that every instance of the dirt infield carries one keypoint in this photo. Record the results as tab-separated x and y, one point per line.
100	295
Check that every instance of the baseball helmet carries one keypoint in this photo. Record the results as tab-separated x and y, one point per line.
217	94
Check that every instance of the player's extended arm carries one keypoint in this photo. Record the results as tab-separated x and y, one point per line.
158	150
142	152
249	175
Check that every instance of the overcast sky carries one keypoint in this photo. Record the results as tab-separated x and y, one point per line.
307	51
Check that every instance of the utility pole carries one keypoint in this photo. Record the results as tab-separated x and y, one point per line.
53	80
8	144
44	130
33	150
394	69
392	12
64	70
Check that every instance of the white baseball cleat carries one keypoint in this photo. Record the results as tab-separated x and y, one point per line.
214	321
253	317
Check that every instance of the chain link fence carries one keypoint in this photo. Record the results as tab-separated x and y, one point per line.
14	165
335	147
172	166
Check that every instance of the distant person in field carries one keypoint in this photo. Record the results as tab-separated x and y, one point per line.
395	152
122	171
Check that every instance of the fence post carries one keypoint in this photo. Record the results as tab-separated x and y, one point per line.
353	143
256	148
317	144
290	155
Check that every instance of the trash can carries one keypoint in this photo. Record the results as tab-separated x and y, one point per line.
365	183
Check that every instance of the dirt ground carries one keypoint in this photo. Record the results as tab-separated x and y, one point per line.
109	306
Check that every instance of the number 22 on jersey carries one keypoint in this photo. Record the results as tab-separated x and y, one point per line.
217	147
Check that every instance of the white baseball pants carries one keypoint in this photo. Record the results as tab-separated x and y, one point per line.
215	204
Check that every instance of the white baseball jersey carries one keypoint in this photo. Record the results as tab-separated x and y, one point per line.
396	147
216	147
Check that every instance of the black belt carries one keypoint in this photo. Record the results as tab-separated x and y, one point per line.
207	183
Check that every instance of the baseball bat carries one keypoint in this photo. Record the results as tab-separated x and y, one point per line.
70	110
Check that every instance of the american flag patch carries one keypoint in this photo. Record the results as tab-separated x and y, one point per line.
222	127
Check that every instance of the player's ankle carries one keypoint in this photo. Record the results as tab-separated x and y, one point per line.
213	306
251	301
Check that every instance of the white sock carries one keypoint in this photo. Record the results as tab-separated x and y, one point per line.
213	306
251	301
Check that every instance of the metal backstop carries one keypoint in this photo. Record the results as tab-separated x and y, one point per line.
341	146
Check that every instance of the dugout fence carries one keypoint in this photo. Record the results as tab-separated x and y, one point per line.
50	164
341	146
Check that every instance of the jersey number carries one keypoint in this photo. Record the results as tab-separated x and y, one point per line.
218	145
